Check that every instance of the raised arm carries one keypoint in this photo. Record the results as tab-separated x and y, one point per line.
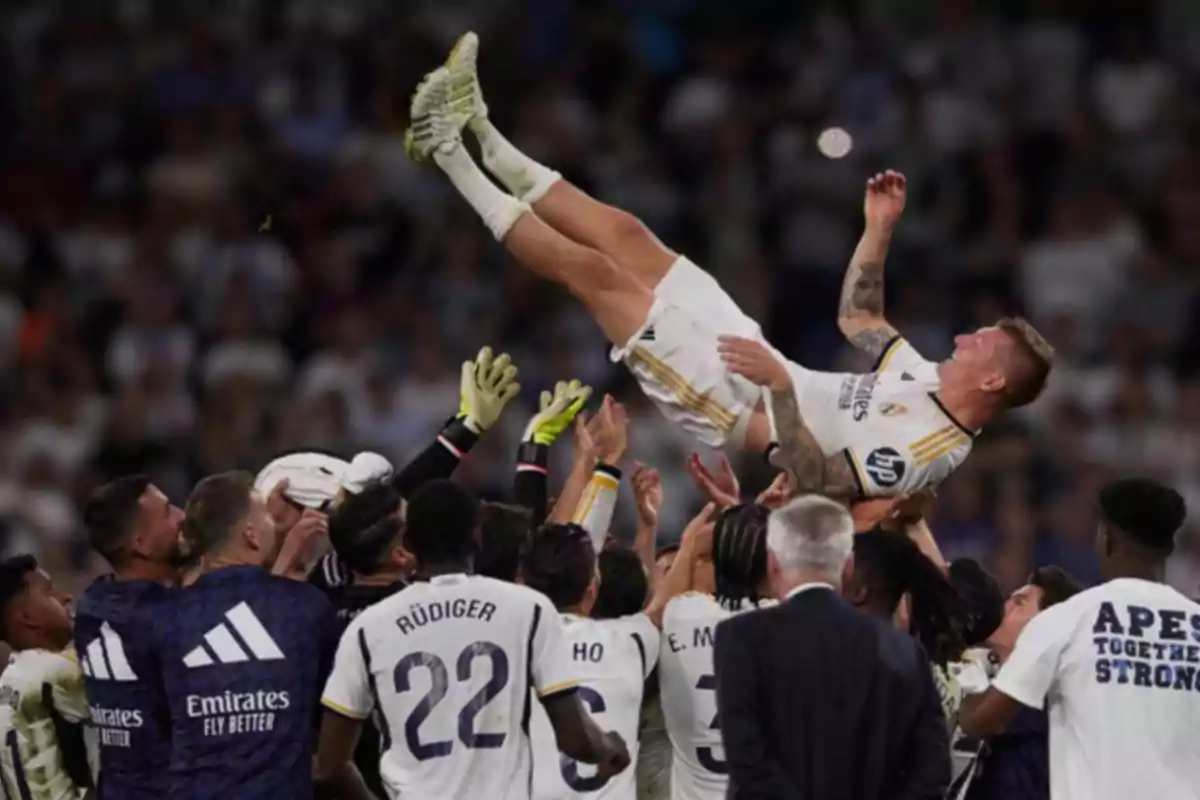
556	412
860	311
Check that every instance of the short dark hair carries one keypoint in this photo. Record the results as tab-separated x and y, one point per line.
1147	512
365	527
559	561
740	551
890	564
503	532
1056	584
442	519
216	505
110	514
982	600
623	583
12	584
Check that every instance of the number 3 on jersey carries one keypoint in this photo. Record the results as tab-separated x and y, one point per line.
706	755
439	684
570	767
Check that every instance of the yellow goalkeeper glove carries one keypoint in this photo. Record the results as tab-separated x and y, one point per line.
556	412
487	385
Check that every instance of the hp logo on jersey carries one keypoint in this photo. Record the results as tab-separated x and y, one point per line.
885	466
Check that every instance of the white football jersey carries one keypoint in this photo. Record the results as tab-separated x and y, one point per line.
31	760
611	659
451	665
889	423
1118	669
688	688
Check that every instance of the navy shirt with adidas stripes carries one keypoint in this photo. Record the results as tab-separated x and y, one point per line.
114	624
244	655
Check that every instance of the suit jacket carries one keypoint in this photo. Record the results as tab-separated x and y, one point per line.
818	701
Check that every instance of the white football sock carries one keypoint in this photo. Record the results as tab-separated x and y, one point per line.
524	177
498	210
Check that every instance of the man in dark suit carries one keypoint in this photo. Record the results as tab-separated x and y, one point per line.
817	700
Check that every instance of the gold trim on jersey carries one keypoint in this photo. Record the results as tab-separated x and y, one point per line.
687	395
556	688
342	710
925	450
598	482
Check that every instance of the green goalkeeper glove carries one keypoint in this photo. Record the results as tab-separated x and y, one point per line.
556	412
487	385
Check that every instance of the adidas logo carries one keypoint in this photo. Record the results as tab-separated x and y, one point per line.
647	335
240	638
104	658
904	376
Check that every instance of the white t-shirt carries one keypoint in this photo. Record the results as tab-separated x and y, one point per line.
451	665
611	659
889	423
31	763
1118	667
688	688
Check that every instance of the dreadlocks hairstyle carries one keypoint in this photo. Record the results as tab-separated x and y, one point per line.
891	565
982	600
740	552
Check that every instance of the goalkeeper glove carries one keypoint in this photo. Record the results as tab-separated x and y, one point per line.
556	412
487	386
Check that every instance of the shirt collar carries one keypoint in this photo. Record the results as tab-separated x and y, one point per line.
804	587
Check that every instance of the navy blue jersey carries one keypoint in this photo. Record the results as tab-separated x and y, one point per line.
244	658
114	624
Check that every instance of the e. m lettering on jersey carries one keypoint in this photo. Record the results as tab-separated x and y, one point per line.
1147	647
702	637
420	614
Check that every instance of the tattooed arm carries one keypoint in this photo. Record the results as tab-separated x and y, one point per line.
798	451
802	455
860	312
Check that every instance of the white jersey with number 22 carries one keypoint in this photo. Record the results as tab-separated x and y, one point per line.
452	665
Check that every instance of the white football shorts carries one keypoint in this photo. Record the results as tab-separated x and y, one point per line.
674	357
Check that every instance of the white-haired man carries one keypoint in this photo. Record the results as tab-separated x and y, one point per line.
853	711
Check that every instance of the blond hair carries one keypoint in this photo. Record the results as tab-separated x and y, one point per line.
1031	362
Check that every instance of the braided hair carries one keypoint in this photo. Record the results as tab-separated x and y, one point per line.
890	565
740	553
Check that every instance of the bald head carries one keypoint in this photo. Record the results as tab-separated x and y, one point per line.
811	534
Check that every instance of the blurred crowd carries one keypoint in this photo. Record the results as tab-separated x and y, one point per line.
213	248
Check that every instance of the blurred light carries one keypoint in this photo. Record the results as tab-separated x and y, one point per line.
834	143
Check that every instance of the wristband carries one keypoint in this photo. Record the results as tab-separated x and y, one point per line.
457	437
533	457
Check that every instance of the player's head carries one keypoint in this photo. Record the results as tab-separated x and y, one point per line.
130	520
1139	519
664	558
1047	586
442	527
890	570
810	539
227	518
366	531
33	613
560	562
982	600
1008	363
739	553
624	585
502	533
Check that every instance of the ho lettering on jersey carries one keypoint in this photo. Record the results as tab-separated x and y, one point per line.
1150	648
104	659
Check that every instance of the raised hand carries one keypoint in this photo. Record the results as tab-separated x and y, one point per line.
779	492
609	430
487	384
647	494
753	361
721	487
556	411
885	198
